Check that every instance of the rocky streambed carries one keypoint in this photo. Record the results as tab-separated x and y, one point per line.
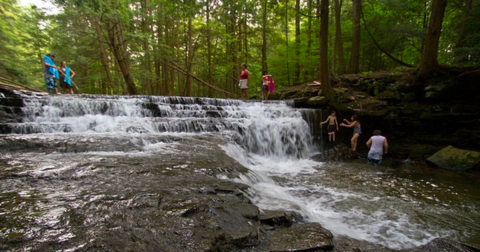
108	174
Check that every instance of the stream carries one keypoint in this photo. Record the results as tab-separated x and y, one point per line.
79	172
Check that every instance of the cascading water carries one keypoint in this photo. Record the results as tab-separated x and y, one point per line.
273	129
273	140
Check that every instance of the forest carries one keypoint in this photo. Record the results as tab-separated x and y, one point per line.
196	47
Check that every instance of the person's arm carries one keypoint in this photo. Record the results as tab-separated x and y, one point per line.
336	122
48	65
248	78
72	73
324	122
369	142
385	146
348	125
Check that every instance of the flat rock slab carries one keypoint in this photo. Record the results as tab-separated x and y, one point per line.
302	237
452	158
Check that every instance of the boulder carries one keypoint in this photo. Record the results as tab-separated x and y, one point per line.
452	158
278	218
339	152
317	101
302	237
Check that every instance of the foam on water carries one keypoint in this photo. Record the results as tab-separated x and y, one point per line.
283	185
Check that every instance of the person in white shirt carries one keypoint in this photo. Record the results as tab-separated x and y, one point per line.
378	146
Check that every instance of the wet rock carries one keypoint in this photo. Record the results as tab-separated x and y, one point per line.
339	152
342	244
452	158
278	218
301	237
317	101
446	245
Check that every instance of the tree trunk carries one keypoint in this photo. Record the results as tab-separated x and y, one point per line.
324	73
428	60
119	49
209	52
189	58
264	36
355	53
338	38
286	41
309	41
147	71
104	56
296	79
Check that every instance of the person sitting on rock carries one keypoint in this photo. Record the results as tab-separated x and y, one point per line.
357	130
332	125
378	146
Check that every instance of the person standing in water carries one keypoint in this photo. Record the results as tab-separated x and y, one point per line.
332	125
266	78
357	130
244	81
50	73
66	76
378	146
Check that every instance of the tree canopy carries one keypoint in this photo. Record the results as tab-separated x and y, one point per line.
196	47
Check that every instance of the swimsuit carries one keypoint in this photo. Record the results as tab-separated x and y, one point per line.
331	129
357	129
243	83
265	83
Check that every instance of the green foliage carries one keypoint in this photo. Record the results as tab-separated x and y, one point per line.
155	33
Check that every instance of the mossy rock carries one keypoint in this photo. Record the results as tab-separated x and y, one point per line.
452	158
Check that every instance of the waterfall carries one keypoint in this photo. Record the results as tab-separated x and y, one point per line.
274	129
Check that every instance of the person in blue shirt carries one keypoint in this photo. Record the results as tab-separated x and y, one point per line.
50	73
66	76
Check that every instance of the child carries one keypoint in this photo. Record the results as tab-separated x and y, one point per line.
332	124
265	84
379	146
357	130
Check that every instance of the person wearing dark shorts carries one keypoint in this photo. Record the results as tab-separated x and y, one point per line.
332	126
266	78
66	76
50	73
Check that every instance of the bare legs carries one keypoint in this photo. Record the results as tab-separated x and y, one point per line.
264	95
353	141
245	94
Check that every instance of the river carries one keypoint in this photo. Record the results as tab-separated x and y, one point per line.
71	161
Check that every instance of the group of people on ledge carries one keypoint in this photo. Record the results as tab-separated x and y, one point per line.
63	73
378	144
268	84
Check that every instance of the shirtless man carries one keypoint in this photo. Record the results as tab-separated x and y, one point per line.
332	124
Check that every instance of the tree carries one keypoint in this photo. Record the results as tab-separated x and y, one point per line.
355	53
297	42
338	48
264	36
428	61
327	90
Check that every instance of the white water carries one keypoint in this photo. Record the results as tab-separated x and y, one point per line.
369	214
272	140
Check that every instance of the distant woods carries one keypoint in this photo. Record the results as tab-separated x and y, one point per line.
196	47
